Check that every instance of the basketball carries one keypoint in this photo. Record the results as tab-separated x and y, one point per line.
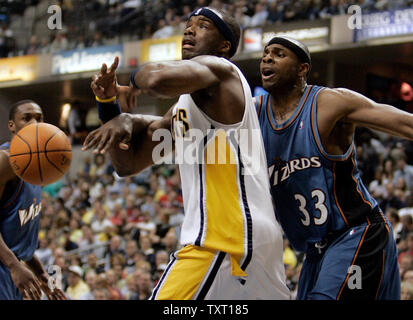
40	154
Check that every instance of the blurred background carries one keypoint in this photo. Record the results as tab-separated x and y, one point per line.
112	237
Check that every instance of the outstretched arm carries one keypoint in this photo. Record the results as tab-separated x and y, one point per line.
171	79
128	138
118	134
349	106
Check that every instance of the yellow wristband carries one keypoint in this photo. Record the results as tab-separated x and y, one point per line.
105	100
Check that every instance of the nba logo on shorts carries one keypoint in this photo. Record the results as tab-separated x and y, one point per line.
301	124
352	232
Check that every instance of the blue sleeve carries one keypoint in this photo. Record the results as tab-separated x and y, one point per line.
258	104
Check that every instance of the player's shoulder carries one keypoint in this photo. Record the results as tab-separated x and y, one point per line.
4	156
336	96
216	64
6	172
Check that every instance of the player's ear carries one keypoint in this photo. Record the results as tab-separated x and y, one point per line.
225	47
303	69
12	126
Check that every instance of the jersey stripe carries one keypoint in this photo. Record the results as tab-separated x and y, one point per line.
247	214
354	259
259	107
184	281
317	138
199	240
211	277
335	195
349	197
297	113
357	185
223	210
162	279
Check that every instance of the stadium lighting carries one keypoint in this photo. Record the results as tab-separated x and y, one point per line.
65	114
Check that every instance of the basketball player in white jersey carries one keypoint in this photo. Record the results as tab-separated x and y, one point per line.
232	244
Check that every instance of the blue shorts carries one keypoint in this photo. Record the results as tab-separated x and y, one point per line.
8	290
361	264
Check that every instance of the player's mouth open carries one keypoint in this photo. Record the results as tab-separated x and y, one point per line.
187	44
267	74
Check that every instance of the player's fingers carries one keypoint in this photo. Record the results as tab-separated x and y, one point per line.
114	65
90	140
123	146
23	292
101	143
96	89
59	295
125	142
49	295
29	293
103	69
91	144
36	289
108	144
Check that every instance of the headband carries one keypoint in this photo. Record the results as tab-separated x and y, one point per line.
299	48
220	24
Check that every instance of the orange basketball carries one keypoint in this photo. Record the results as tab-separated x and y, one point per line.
40	153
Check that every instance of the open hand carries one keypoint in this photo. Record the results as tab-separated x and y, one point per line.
26	282
116	132
53	293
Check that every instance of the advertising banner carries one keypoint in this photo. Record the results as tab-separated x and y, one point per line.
18	68
87	59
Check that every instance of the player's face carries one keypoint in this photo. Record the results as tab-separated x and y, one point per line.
201	37
26	114
278	67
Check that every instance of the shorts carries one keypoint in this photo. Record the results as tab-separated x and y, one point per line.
8	290
361	264
197	273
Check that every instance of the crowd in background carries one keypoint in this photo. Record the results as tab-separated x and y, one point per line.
112	237
99	22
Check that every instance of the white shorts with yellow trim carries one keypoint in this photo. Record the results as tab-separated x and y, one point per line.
197	273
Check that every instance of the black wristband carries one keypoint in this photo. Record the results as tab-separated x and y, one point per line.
108	111
132	78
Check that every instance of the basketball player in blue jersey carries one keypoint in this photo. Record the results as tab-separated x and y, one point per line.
232	244
319	197
21	273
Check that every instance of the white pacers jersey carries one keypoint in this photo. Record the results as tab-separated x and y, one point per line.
225	185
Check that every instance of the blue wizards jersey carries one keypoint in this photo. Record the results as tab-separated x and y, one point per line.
315	194
20	218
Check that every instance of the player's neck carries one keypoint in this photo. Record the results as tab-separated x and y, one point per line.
286	100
